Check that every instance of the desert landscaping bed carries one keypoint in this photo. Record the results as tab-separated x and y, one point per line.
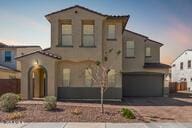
64	113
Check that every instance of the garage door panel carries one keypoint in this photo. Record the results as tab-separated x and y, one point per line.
142	85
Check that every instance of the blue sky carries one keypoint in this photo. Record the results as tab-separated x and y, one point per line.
166	21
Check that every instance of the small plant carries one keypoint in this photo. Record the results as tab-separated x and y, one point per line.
8	102
19	97
76	112
14	116
50	103
128	114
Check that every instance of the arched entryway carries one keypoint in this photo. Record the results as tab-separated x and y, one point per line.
37	82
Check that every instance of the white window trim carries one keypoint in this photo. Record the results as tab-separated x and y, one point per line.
146	51
69	77
113	82
88	77
127	48
70	34
108	31
84	35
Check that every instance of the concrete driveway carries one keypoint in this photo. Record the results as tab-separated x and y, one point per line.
176	108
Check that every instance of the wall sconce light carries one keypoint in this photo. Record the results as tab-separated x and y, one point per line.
36	62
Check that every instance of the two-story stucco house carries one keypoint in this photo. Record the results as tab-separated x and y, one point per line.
80	37
9	67
181	70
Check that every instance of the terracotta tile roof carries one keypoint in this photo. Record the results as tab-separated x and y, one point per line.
3	67
156	65
49	54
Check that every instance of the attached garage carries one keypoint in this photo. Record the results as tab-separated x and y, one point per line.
142	84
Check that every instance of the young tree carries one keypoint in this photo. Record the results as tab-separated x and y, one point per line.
100	74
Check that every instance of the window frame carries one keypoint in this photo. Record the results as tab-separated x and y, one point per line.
111	83
65	22
189	64
108	37
5	57
127	48
90	74
181	65
147	47
87	22
66	85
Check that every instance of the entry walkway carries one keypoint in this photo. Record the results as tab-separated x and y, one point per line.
96	125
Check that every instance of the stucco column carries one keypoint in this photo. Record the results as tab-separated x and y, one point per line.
166	85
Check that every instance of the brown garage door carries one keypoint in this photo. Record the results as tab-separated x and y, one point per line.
142	84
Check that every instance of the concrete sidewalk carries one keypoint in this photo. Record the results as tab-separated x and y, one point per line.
96	125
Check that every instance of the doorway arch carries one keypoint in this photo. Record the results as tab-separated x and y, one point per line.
37	86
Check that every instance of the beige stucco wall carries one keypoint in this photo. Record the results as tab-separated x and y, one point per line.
23	51
81	53
155	52
77	74
28	62
135	64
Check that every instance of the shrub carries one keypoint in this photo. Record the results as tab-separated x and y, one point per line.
8	102
50	103
19	97
15	115
76	112
128	114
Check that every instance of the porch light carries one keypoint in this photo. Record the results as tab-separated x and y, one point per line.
36	62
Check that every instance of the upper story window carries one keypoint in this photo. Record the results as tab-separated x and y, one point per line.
130	49
148	52
88	77
88	33
181	65
111	31
8	56
66	34
66	76
189	64
111	77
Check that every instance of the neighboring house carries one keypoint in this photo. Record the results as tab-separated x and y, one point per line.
181	70
9	67
80	37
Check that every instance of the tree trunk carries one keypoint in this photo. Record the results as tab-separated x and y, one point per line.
102	107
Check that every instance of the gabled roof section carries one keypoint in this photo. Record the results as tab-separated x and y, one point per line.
147	38
87	9
48	54
136	33
156	42
75	7
180	55
125	18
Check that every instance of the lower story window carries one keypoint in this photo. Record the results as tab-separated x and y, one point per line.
88	77
111	77
66	77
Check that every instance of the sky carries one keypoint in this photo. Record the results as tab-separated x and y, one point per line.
22	22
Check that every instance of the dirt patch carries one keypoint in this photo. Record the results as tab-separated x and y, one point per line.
63	113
